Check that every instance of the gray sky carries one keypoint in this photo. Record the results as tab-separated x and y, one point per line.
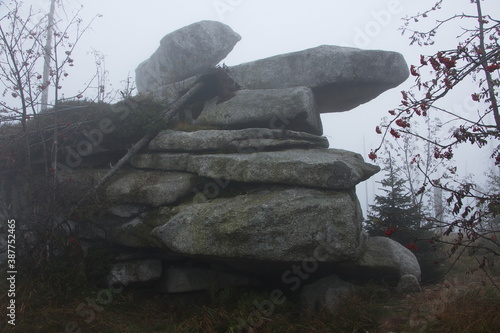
130	30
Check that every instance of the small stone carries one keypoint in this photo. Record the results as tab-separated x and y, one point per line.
408	284
135	272
327	293
384	258
125	210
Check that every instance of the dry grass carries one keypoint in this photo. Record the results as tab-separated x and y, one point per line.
455	305
461	303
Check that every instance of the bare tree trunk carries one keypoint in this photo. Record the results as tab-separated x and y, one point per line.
47	56
489	79
438	207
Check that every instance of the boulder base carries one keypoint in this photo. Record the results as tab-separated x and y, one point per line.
386	259
287	225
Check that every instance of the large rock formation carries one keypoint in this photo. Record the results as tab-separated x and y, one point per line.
269	190
254	188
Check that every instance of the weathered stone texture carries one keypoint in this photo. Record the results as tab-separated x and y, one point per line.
290	108
340	77
246	140
324	168
184	53
285	225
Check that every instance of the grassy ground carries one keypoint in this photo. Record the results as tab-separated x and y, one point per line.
460	303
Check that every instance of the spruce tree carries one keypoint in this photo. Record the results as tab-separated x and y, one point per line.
396	215
395	209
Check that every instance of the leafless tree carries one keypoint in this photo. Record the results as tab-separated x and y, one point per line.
475	58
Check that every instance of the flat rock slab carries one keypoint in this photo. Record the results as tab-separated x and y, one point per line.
323	168
340	77
287	225
289	108
186	52
239	141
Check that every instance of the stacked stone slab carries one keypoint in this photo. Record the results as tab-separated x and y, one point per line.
263	190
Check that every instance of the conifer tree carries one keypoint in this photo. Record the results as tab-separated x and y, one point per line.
396	215
394	209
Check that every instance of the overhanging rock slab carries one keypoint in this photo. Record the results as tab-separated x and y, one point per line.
340	77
